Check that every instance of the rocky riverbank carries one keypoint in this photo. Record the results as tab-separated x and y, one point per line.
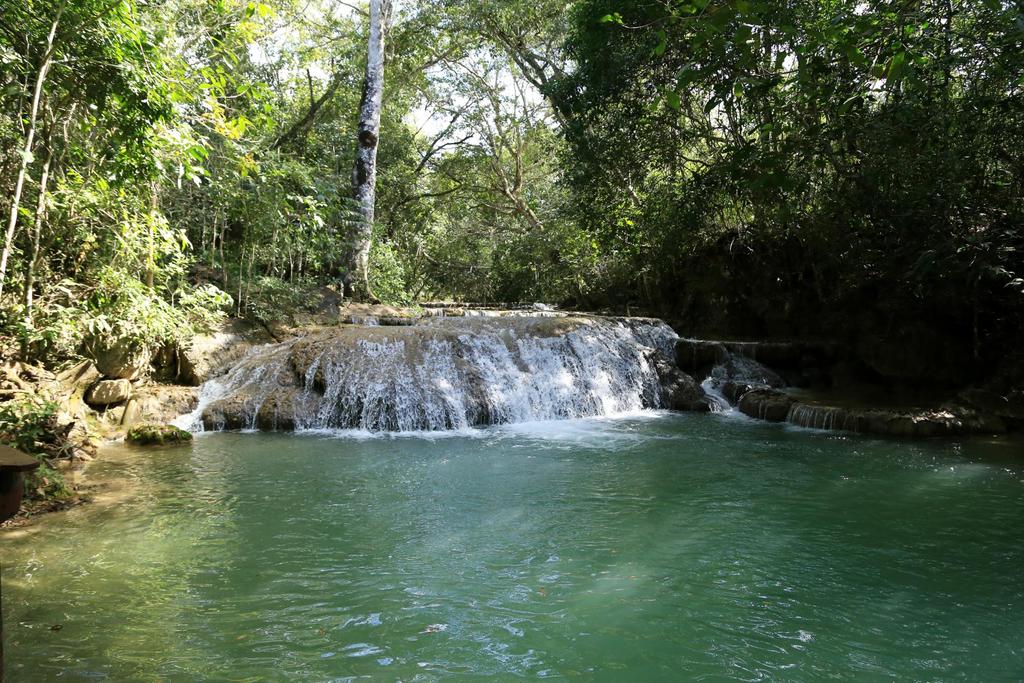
768	381
63	415
448	367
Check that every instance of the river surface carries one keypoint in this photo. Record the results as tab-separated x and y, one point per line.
647	548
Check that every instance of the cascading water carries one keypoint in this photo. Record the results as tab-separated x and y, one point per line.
717	402
828	418
733	376
445	374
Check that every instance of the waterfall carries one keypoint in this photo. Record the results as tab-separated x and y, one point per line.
445	374
824	417
734	375
717	401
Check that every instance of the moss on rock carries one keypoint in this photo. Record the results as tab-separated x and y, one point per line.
157	435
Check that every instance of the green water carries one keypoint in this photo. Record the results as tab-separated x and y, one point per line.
645	549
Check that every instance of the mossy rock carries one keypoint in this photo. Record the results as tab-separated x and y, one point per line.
157	435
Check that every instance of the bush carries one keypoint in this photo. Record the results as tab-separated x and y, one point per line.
387	275
271	299
25	423
118	309
29	425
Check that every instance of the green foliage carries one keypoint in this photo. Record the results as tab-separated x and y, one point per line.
805	168
757	167
388	278
47	484
122	308
272	299
27	424
94	254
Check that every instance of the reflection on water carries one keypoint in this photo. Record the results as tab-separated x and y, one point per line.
652	547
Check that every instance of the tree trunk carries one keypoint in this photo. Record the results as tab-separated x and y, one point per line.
26	152
301	127
154	205
364	175
37	230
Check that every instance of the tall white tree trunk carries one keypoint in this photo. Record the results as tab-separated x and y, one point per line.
364	175
37	230
26	152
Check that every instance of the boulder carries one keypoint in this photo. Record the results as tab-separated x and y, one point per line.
741	370
157	435
114	417
679	391
277	413
130	414
119	359
766	404
78	378
75	439
159	404
232	412
208	355
273	412
109	392
734	391
738	375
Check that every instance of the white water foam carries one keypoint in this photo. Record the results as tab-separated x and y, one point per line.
445	377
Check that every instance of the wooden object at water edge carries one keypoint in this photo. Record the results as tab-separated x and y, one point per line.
13	466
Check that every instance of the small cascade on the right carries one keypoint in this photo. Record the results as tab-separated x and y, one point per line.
734	376
828	418
717	402
820	392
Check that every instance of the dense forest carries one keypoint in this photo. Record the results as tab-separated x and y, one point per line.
645	340
841	169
